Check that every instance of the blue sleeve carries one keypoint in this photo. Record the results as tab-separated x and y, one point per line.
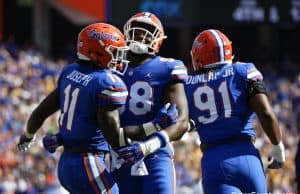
178	71
253	74
111	91
249	72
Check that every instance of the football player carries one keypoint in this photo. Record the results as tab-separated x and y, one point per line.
88	96
151	81
223	99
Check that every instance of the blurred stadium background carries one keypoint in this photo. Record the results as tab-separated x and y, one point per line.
38	37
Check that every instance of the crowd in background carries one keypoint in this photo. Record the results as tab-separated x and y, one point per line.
26	76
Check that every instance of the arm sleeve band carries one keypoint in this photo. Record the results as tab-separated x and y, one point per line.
122	141
160	139
149	128
256	87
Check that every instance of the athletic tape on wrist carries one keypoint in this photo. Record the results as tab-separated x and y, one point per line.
280	145
151	145
122	141
149	128
159	140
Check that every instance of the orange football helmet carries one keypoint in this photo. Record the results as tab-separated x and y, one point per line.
210	48
103	44
144	33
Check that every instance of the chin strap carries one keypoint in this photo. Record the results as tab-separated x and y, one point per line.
138	48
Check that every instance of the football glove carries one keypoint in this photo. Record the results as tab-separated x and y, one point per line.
133	153
277	156
25	141
52	142
166	116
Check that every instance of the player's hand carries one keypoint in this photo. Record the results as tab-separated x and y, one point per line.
52	142
277	156
166	116
134	153
131	154
25	142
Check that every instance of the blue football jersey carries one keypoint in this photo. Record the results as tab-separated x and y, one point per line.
146	84
218	102
83	90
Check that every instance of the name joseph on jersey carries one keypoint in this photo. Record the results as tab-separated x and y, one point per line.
79	78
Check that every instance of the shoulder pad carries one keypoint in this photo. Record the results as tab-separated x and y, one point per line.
112	80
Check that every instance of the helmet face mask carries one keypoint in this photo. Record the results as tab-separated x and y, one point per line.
102	44
118	60
144	33
211	48
118	55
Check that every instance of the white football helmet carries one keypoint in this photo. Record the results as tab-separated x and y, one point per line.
144	33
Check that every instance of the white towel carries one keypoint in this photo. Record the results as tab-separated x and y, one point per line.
139	168
115	163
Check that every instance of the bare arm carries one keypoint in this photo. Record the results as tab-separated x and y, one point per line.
46	108
109	123
175	94
261	106
259	103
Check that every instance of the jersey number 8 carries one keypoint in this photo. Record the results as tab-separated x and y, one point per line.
140	98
